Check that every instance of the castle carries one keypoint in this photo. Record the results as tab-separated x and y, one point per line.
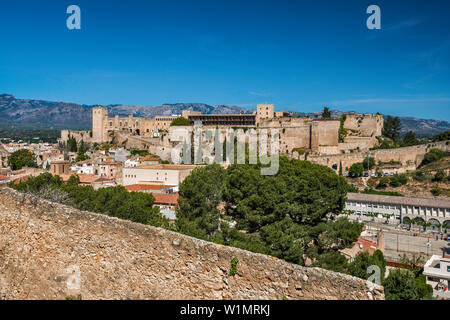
297	135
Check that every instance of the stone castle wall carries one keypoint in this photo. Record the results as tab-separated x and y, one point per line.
366	125
78	135
317	135
410	157
46	247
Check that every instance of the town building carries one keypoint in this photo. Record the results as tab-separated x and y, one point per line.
165	174
437	271
359	246
60	167
435	211
84	167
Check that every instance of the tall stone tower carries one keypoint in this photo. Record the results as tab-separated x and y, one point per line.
264	111
99	119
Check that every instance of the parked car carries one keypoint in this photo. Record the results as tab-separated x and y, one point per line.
386	174
366	174
373	175
391	174
380	175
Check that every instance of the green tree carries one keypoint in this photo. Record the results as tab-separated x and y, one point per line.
297	191
22	158
424	290
356	169
444	136
326	113
200	194
401	285
342	131
339	234
410	139
74	180
383	183
81	155
72	144
286	239
395	182
332	260
180	121
358	267
392	127
369	163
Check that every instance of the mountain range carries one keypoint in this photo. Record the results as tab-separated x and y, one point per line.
28	113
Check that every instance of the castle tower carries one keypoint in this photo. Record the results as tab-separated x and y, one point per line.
264	111
99	118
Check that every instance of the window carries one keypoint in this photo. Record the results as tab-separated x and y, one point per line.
448	268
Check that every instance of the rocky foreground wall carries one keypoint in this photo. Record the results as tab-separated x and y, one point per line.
51	251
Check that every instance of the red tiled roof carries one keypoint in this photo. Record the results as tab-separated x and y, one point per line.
367	244
143	187
3	177
162	198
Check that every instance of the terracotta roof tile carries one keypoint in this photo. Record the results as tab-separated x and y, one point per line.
162	198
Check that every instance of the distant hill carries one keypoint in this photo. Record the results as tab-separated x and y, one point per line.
419	126
27	113
20	113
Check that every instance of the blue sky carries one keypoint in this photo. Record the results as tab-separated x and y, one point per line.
299	55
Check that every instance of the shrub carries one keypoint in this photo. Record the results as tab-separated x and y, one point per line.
383	183
439	176
433	155
395	182
233	268
419	176
402	178
385	193
436	191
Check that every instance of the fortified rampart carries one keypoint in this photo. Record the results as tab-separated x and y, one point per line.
51	251
365	125
409	157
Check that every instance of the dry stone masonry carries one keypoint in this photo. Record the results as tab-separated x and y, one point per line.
52	251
